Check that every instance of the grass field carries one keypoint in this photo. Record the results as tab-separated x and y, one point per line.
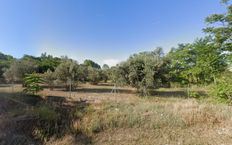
100	117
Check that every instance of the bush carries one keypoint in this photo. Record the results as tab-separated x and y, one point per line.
194	94
46	113
32	83
222	90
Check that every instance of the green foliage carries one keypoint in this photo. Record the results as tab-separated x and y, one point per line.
91	63
222	90
46	113
68	72
32	83
193	94
49	78
144	71
219	26
105	67
119	74
5	61
94	75
197	63
48	62
18	70
104	74
83	73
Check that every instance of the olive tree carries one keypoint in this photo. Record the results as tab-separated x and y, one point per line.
67	72
146	71
94	76
18	70
49	78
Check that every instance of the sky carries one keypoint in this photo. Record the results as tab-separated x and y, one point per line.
106	31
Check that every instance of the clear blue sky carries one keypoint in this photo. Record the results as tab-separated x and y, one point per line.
101	30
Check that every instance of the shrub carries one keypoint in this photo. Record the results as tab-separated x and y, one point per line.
222	90
193	94
47	113
32	83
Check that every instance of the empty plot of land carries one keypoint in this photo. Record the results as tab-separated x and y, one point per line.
167	117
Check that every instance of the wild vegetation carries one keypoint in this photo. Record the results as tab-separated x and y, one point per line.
182	97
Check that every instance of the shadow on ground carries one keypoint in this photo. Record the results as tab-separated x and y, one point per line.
104	90
19	122
178	94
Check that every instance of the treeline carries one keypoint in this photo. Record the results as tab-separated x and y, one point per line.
206	61
54	70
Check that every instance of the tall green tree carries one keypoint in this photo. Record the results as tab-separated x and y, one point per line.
220	28
196	63
48	62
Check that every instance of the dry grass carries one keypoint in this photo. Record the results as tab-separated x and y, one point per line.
152	122
126	119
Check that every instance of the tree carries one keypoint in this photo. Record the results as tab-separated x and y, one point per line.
144	71
83	73
32	83
220	27
94	76
221	91
104	75
119	74
5	62
91	63
105	67
196	63
48	62
210	62
18	70
49	78
67	72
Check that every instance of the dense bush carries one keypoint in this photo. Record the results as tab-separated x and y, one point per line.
222	89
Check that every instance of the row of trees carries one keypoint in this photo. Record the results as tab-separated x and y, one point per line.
55	71
200	63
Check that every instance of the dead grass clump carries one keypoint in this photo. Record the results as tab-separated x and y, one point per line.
66	140
122	115
194	113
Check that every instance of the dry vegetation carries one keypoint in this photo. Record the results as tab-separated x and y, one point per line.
126	119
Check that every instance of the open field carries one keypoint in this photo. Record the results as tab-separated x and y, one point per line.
104	118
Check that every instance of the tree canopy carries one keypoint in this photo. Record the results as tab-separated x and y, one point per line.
91	63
